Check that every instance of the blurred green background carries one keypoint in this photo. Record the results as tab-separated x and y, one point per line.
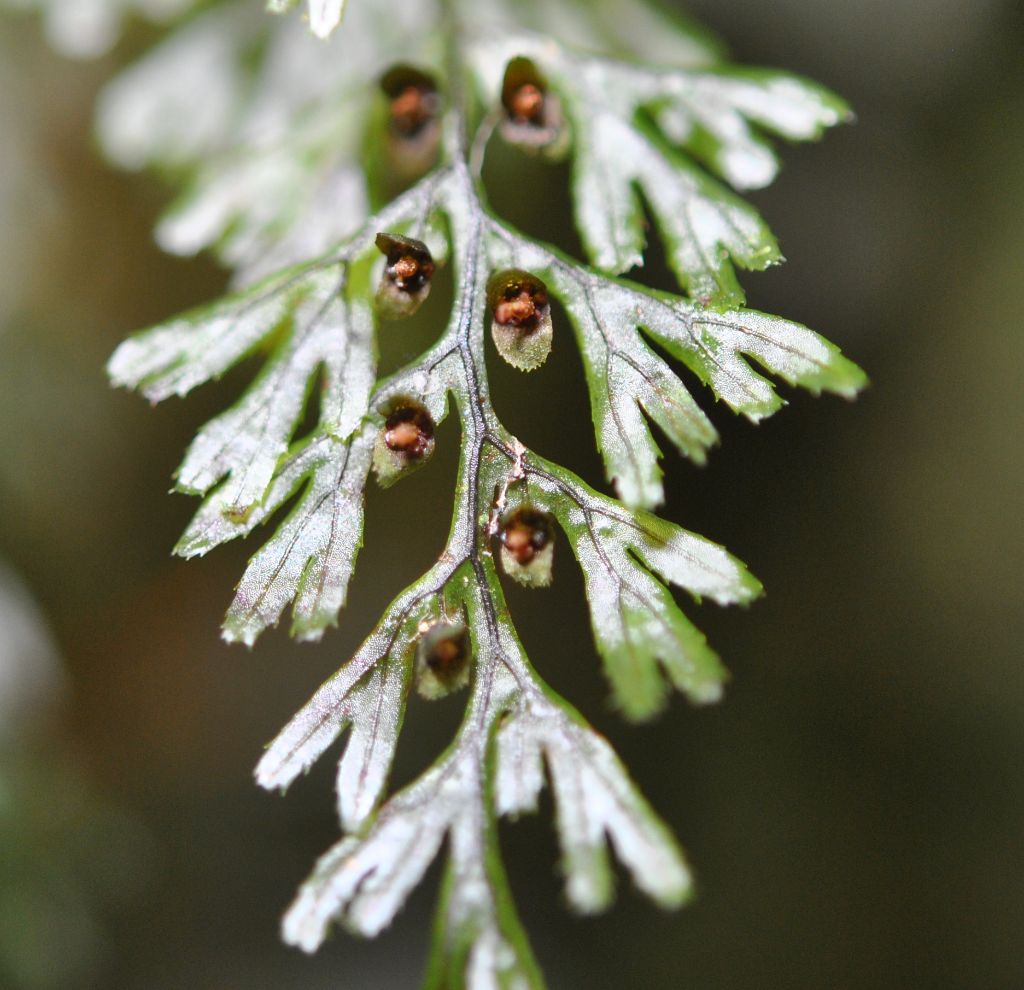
853	808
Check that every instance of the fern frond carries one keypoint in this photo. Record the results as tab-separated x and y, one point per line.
257	194
628	125
89	28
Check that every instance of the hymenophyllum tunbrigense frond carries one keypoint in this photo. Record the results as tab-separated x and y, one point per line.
287	187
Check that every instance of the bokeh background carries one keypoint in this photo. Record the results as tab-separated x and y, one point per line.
854	807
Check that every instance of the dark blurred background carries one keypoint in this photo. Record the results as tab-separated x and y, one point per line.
853	808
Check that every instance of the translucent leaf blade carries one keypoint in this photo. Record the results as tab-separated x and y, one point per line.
711	113
715	344
246	443
689	561
310	559
638	628
596	803
364	881
623	377
369	693
377	711
608	212
706	229
174	357
216	522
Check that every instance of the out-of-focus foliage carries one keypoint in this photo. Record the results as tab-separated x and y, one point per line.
87	28
65	854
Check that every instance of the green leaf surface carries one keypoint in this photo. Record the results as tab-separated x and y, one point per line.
626	379
706	230
638	628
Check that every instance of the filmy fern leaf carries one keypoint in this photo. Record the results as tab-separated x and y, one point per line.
275	181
